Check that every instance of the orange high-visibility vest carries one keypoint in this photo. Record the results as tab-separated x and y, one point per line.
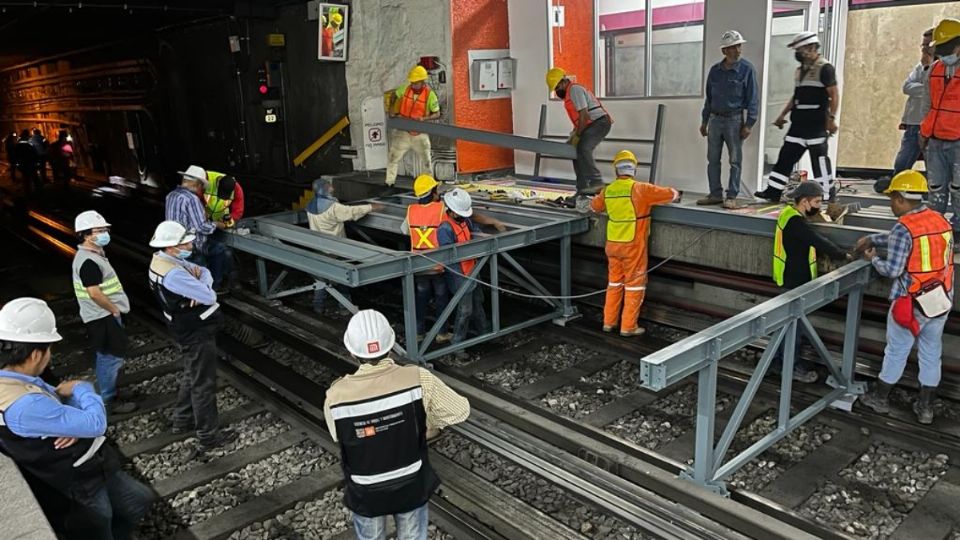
574	114
423	221
931	255
943	120
462	232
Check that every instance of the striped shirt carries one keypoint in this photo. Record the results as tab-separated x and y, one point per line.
443	406
184	207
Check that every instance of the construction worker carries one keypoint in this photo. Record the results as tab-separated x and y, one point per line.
382	416
795	248
914	111
813	118
731	91
327	215
103	303
458	228
185	293
940	130
224	203
919	260
591	124
417	101
56	434
628	204
423	219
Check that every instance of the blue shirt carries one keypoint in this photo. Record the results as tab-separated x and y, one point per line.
181	281
184	207
732	90
38	415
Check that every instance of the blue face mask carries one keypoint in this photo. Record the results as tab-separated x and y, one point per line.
184	254
101	239
950	59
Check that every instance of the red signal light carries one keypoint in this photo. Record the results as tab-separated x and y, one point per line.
263	89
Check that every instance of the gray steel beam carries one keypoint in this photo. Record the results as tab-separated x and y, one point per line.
333	245
493	138
671	364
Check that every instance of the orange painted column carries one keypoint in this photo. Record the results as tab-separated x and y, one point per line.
573	43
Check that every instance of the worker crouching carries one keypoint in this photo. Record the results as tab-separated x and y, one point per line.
382	416
628	204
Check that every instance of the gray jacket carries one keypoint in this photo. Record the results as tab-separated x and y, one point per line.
917	102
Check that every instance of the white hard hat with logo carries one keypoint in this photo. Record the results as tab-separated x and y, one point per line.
369	335
196	173
91	219
459	202
803	39
731	38
28	320
169	234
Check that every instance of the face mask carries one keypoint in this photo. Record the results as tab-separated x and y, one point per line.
812	211
184	254
101	239
561	93
799	56
950	59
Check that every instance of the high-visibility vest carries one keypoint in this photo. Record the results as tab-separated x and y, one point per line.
574	114
423	221
780	255
414	105
462	231
943	120
931	254
621	214
110	286
217	206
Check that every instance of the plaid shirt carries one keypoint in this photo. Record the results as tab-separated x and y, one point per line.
184	207
899	244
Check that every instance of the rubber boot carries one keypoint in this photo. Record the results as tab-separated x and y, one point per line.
878	399
923	406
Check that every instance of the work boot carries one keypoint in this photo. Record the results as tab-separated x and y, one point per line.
923	406
223	438
443	337
878	399
806	376
770	194
583	204
607	329
709	200
730	204
120	407
636	332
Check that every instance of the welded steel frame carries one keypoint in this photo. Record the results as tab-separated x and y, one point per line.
493	138
782	318
284	238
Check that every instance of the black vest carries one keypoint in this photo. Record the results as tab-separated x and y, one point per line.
811	103
185	319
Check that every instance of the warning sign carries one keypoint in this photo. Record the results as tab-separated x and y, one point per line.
375	136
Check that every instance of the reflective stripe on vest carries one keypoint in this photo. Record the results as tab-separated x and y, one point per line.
621	214
108	287
574	114
423	221
462	231
931	256
943	120
413	105
780	255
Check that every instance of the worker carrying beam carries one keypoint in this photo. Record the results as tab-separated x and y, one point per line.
813	119
415	101
591	124
628	204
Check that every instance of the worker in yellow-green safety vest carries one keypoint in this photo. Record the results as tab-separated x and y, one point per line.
223	198
795	247
628	204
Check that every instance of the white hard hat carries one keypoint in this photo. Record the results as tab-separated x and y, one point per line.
459	201
369	334
731	38
28	320
169	234
195	172
91	219
802	39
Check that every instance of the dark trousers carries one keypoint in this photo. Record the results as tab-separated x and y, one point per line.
790	153
111	513
470	311
219	258
430	286
585	165
197	398
909	149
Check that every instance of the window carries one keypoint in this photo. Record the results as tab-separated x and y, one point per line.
675	48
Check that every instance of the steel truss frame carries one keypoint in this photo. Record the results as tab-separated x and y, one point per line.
782	317
285	238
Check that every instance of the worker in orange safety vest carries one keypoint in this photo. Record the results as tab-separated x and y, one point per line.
628	204
415	101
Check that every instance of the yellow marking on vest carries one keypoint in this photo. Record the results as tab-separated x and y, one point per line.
424	238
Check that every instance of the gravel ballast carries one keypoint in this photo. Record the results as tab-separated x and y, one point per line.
301	363
155	422
536	365
168	383
320	518
591	393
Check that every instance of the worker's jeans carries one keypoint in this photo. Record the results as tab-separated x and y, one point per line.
900	342
943	175
218	259
470	311
430	286
197	398
724	130
909	149
107	369
114	511
411	525
400	142
585	166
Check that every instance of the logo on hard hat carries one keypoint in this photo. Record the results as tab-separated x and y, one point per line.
373	347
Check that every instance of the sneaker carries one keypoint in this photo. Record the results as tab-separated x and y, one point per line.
636	332
583	204
607	329
709	200
223	438
807	376
120	407
769	194
444	337
730	204
180	429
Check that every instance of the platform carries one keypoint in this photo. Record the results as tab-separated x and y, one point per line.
22	517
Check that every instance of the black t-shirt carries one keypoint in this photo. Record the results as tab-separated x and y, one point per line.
828	75
798	236
90	274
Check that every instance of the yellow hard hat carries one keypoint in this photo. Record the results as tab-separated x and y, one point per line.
945	31
554	76
910	181
624	155
336	18
417	74
424	184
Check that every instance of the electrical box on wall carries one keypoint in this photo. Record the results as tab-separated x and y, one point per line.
491	74
505	79
486	75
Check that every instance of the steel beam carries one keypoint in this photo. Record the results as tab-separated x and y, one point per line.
493	138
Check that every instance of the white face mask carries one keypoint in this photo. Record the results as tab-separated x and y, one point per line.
626	169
